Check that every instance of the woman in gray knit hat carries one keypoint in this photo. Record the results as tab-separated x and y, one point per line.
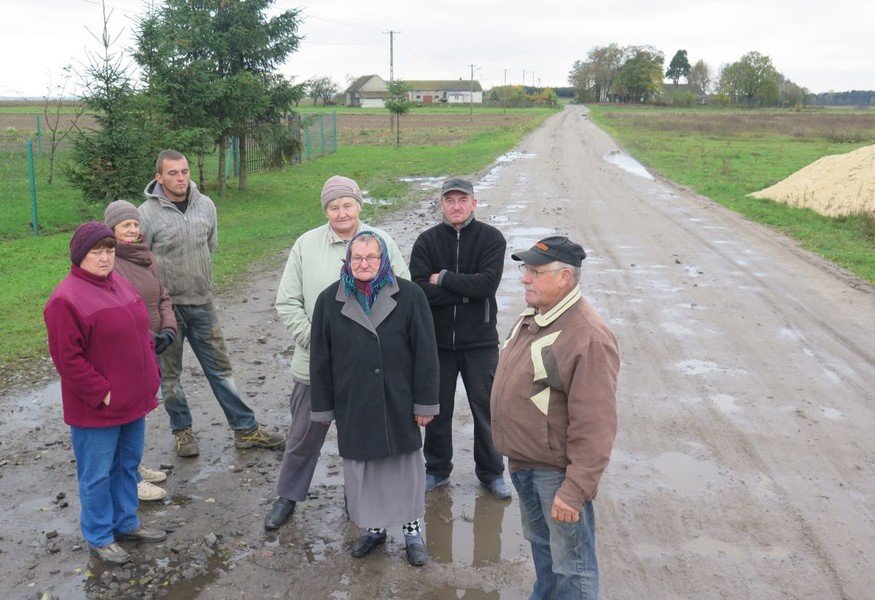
136	263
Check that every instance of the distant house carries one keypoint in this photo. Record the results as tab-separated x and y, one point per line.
453	91
368	91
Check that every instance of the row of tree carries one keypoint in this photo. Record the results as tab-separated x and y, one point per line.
616	73
201	72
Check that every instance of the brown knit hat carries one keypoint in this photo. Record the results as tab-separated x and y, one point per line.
118	211
339	186
86	237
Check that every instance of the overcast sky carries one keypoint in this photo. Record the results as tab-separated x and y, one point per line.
821	45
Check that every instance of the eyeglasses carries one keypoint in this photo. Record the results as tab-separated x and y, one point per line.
535	273
371	260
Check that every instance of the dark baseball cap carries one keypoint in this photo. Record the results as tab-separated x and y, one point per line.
457	184
556	247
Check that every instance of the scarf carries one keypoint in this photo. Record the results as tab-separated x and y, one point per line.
365	292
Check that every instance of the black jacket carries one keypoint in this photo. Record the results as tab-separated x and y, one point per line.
463	304
373	374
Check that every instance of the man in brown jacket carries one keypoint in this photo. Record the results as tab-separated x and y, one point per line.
554	416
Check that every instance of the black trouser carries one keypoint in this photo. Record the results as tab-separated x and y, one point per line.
477	366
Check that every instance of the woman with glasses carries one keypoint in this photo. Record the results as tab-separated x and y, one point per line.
374	370
99	339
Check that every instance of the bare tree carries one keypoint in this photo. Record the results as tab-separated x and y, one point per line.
53	105
700	79
322	88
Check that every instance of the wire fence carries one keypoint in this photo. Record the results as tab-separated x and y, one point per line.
36	197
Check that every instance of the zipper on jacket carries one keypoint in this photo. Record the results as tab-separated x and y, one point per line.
458	236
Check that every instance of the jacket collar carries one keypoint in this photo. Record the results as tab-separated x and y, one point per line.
137	253
156	191
544	319
333	238
383	306
467	222
81	273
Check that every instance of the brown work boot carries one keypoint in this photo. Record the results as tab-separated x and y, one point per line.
259	437
186	443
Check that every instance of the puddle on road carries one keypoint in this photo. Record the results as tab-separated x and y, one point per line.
831	413
474	531
627	163
708	546
704	367
515	155
27	410
685	474
429	183
488	180
523	238
725	403
448	592
677	329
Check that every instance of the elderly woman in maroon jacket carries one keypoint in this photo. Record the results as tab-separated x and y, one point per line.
135	261
98	330
374	369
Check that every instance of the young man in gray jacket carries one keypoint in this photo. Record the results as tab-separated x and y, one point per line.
179	226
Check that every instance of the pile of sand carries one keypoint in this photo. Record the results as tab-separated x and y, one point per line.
835	186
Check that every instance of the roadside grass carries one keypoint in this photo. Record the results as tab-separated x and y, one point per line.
727	155
253	226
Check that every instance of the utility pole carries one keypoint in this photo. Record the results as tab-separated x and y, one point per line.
524	78
391	35
471	112
391	69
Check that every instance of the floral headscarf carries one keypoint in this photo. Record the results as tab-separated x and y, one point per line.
365	292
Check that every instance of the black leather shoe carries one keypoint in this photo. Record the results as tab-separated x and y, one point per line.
367	542
143	534
415	550
279	513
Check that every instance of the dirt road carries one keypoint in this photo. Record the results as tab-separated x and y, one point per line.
743	467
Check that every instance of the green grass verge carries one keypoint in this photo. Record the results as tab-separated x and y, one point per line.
727	155
253	225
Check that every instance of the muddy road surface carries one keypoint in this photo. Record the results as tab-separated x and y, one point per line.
743	467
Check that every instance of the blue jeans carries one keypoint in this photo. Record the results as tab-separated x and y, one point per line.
200	324
106	465
563	553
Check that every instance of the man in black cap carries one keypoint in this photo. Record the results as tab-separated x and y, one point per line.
458	263
554	416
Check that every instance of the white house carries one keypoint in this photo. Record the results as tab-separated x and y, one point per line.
450	91
368	91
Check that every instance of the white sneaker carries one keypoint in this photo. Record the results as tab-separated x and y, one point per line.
151	475
146	491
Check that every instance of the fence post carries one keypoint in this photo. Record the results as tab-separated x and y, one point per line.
321	135
32	176
334	120
236	153
307	136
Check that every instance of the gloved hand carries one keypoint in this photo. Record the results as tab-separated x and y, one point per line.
163	339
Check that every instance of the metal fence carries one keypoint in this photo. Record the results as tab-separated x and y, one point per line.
36	197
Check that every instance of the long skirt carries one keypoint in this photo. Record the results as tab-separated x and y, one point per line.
385	492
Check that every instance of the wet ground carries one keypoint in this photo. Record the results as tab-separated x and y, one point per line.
743	467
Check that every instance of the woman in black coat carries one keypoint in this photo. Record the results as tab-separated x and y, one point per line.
374	369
